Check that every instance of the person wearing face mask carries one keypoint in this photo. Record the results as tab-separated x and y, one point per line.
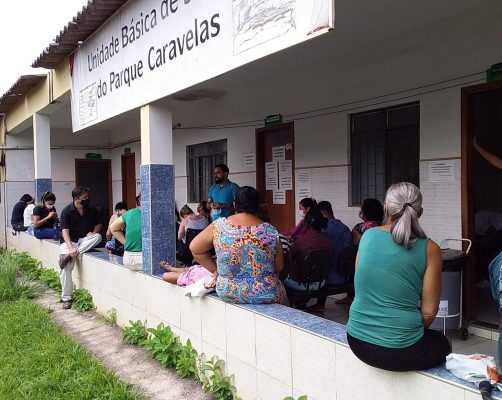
45	217
372	215
80	226
304	206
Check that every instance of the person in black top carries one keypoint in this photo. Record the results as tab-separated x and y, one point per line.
80	225
45	218
17	219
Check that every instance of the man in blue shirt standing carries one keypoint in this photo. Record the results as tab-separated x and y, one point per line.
222	193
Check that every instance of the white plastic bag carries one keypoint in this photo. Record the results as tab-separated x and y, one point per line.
473	368
198	289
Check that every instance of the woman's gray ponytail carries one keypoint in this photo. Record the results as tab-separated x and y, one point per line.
404	207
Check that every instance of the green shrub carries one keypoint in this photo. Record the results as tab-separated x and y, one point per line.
30	266
163	345
186	365
50	278
212	376
304	397
82	300
12	285
135	333
110	318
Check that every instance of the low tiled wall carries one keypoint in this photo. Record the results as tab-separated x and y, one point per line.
273	351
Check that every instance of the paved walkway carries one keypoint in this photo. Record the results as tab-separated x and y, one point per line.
130	363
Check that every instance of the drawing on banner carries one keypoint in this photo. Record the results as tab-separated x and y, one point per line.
279	153
279	197
249	161
271	178
286	175
441	171
87	104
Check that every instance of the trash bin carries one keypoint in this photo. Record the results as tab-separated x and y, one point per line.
450	307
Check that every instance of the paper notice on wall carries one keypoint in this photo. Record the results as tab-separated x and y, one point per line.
286	175
303	184
249	161
442	171
271	176
279	153
279	197
443	308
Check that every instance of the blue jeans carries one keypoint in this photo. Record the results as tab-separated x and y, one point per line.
496	284
45	233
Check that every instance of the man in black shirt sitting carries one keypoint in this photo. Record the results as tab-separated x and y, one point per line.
80	227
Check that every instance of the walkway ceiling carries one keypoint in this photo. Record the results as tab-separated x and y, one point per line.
22	86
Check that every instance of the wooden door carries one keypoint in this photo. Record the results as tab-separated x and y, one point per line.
129	179
268	140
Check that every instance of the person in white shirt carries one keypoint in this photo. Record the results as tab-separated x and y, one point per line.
27	214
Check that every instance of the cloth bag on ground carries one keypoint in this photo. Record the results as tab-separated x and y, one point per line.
473	368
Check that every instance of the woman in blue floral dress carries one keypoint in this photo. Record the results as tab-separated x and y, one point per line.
248	254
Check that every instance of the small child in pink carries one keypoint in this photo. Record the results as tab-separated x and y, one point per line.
183	276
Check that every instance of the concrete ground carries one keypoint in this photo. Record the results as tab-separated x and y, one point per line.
130	363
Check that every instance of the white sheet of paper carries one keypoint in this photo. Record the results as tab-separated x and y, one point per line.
271	178
279	153
286	175
279	197
441	171
249	161
303	184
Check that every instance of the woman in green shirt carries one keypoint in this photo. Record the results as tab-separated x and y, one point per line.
398	287
132	240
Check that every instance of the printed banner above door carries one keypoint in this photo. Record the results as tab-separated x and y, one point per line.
150	49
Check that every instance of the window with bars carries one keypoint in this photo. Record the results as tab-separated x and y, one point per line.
201	159
385	149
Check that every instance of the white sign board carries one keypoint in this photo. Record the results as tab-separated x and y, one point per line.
442	171
303	184
150	49
279	153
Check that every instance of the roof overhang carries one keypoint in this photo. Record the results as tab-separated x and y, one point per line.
22	86
83	25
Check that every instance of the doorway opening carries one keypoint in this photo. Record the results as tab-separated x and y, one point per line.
481	196
129	179
97	176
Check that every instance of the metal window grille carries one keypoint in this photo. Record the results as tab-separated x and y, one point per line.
384	149
201	159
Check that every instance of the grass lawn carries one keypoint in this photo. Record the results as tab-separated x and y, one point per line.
39	362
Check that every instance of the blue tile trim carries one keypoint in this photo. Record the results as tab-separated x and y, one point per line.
157	214
42	185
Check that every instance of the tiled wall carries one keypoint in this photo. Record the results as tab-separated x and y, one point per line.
269	358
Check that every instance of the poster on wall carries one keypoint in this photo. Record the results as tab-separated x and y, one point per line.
303	184
279	197
442	171
279	153
150	49
286	175
271	176
249	161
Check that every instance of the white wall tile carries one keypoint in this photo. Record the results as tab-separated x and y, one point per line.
139	291
418	387
241	334
191	315
269	388
209	350
273	349
372	381
244	378
163	301
214	322
313	360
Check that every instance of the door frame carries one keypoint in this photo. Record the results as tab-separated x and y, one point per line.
467	196
260	160
102	161
122	160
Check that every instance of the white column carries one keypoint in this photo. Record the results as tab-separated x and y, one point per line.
156	135
42	154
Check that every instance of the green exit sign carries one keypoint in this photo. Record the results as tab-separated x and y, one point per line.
271	120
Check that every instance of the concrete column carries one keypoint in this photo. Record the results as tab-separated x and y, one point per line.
157	188
42	154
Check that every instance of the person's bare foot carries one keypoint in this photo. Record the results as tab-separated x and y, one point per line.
166	266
